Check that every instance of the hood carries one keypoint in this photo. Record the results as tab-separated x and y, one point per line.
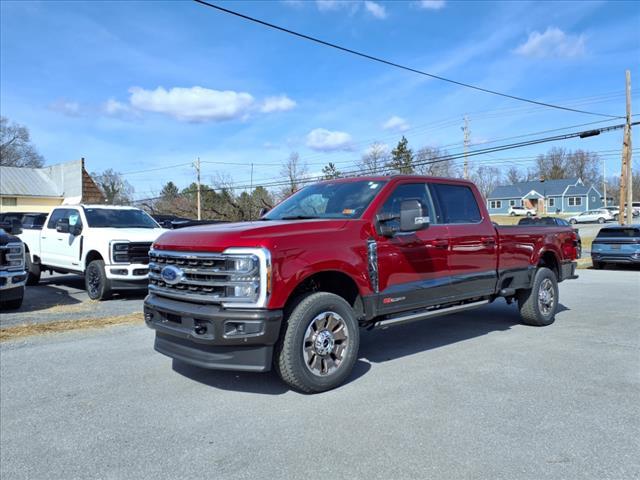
215	238
8	238
131	234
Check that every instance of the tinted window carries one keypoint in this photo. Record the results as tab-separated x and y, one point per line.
619	232
57	214
33	221
118	218
406	191
456	203
328	200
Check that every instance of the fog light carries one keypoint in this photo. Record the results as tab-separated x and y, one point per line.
232	329
118	271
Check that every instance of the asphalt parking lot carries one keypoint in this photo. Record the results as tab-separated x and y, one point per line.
473	396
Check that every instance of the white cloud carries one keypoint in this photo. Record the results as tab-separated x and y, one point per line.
114	107
70	109
396	124
375	9
431	4
281	103
195	104
327	5
328	141
552	43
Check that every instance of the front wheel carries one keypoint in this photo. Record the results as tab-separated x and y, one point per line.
573	221
538	304
33	270
96	281
13	304
513	214
319	344
598	265
529	214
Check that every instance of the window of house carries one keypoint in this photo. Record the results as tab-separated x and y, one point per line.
593	198
551	202
495	204
512	203
575	201
9	201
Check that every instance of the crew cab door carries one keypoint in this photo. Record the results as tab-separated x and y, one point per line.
61	249
412	266
473	247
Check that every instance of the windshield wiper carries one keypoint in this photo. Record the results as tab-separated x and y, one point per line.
298	217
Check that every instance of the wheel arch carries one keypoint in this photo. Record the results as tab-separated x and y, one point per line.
91	256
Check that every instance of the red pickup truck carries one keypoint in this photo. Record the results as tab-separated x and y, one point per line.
292	289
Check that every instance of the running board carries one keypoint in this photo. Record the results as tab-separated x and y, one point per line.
428	314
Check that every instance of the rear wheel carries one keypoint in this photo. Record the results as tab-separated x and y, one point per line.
601	220
538	304
528	214
319	345
33	270
573	221
513	214
96	282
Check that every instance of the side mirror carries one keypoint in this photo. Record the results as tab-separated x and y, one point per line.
411	218
62	226
263	211
75	230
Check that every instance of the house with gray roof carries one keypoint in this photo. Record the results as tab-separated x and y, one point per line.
568	195
24	189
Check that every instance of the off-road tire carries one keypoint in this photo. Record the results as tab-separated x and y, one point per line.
529	302
33	270
14	304
96	282
289	359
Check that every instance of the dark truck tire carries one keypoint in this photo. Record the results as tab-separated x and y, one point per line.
13	304
96	282
33	270
319	343
538	304
597	265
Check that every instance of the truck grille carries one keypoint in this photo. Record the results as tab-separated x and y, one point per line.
139	252
202	277
12	256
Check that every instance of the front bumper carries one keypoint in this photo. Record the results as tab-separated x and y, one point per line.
210	336
127	272
12	279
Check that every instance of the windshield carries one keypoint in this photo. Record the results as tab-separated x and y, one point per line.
118	218
327	200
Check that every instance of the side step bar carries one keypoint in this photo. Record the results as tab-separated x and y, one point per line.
428	314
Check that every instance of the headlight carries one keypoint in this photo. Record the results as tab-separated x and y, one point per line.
120	252
249	273
14	256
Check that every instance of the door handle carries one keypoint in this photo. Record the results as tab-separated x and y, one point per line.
488	241
438	243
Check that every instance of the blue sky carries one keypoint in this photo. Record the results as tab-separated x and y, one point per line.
139	85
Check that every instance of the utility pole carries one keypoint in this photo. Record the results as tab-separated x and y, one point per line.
197	165
625	172
604	181
465	129
251	196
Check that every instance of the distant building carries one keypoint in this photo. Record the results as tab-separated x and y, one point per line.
568	195
40	189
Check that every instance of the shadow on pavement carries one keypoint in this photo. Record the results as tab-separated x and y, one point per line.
264	383
43	297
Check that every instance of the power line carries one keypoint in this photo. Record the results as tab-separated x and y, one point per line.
446	158
393	64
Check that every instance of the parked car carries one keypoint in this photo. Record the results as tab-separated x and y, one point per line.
615	211
552	222
519	211
294	288
600	215
108	245
13	275
619	244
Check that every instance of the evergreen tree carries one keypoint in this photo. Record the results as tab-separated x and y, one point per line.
401	158
330	171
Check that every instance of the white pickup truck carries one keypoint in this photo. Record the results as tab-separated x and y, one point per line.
108	245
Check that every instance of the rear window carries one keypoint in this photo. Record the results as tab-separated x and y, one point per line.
619	232
457	203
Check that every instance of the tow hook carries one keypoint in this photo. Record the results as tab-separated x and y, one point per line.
200	329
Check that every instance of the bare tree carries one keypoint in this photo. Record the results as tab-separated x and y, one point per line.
430	161
16	149
513	175
584	165
553	164
373	161
293	172
486	178
116	189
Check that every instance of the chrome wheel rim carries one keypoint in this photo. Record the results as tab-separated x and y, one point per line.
546	297
325	344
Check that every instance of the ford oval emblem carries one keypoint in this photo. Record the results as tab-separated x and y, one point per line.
171	275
